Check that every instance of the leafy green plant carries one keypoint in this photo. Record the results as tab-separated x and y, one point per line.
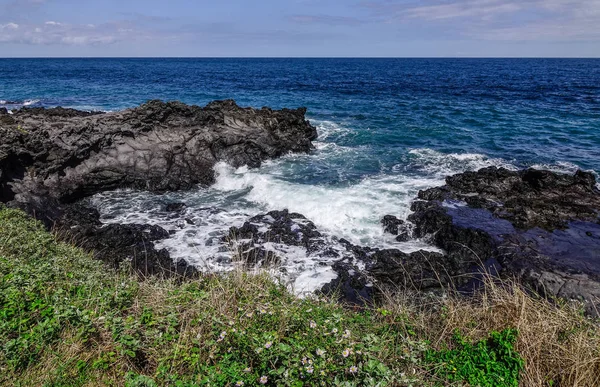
492	362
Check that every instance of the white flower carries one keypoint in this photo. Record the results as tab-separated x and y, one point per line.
320	352
239	384
334	331
248	369
346	352
353	369
313	324
268	345
346	334
309	370
263	380
304	361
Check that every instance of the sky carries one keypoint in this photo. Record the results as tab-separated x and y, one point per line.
300	28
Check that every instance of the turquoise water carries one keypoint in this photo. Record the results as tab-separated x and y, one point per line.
388	127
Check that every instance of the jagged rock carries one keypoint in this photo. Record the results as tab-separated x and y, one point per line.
352	286
395	226
175	207
391	224
52	158
68	154
115	243
280	227
539	226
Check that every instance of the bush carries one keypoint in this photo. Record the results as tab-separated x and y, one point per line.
492	362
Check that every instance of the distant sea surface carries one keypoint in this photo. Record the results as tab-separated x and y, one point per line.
387	128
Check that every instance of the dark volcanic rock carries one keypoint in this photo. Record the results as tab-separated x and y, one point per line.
52	158
115	243
395	226
391	224
175	207
376	270
352	286
529	198
68	155
283	227
538	226
275	227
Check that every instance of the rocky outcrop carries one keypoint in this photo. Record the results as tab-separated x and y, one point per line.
68	155
362	272
538	226
52	158
115	243
395	226
250	241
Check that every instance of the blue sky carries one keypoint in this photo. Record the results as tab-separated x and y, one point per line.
394	28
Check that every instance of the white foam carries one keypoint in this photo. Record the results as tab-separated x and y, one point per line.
440	165
558	167
348	209
29	102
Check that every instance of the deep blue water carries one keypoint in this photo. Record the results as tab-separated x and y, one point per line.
529	111
388	127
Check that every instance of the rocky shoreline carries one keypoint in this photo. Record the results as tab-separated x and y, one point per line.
539	227
51	159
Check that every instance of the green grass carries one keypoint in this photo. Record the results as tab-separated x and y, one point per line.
67	320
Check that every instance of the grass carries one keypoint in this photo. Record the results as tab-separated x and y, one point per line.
67	320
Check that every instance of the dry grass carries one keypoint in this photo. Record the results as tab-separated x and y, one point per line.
560	345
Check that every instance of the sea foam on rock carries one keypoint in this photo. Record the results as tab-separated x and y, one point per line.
52	158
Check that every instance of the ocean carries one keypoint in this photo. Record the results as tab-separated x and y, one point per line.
387	128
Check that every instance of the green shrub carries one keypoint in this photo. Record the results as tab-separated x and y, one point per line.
492	362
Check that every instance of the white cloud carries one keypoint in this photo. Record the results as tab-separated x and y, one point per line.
9	26
465	9
52	32
510	20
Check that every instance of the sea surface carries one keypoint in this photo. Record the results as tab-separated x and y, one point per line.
387	128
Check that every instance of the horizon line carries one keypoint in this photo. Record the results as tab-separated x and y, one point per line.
298	57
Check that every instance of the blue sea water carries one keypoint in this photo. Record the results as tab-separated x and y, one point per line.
388	127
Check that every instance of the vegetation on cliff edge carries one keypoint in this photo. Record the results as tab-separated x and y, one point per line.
67	320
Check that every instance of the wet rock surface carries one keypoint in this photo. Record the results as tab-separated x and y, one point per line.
538	226
264	238
361	273
51	159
